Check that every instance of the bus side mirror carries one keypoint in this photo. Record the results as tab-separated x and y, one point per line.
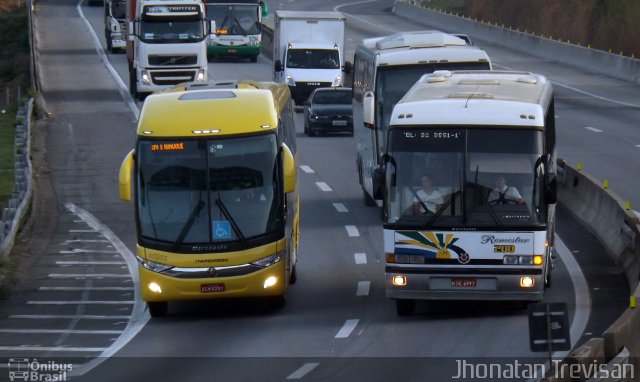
289	169
368	109
264	9
124	178
278	66
347	67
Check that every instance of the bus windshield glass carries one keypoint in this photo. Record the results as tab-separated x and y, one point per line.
481	177
313	59
208	191
161	30
234	20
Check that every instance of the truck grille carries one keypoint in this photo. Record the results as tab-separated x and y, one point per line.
172	77
173	60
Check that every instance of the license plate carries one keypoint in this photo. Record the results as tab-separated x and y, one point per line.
339	123
231	50
211	288
463	283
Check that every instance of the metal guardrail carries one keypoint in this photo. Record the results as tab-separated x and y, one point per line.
19	201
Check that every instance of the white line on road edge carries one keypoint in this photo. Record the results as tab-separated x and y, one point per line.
593	129
363	288
323	186
340	207
82	231
81	302
361	258
302	371
59	331
139	316
582	295
66	317
49	348
307	169
347	328
352	230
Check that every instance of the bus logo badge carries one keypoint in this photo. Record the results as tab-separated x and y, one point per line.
211	272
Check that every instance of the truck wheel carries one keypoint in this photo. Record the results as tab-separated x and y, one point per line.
158	308
405	307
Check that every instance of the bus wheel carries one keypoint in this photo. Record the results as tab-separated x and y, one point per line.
405	307
158	308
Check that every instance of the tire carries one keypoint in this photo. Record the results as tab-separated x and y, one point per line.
158	308
109	44
306	129
405	307
369	201
253	59
133	85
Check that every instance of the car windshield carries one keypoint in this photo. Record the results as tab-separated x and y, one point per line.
208	191
330	97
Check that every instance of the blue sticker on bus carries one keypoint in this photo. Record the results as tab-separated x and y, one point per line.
221	229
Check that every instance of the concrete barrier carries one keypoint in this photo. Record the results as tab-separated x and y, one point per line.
596	61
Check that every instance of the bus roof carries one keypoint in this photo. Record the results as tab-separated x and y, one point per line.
407	48
213	108
475	98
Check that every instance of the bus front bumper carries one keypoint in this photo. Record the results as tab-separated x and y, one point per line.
160	287
456	286
233	50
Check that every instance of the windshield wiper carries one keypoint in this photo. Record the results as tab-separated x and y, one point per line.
187	226
442	208
484	200
244	32
234	225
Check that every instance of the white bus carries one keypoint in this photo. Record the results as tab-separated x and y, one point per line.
384	69
453	229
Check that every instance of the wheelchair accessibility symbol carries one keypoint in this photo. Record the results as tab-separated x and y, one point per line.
221	229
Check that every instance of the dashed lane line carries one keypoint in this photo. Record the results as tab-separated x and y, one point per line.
352	230
363	288
303	370
361	258
347	328
340	207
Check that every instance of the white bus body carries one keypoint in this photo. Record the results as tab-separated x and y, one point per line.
464	130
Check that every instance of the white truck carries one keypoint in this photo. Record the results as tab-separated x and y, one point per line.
115	23
308	51
167	44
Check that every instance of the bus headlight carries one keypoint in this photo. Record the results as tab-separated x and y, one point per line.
269	260
152	265
253	41
523	260
527	281
154	287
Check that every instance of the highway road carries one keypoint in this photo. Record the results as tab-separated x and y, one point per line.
76	299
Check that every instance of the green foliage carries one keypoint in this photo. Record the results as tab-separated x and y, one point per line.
14	46
7	134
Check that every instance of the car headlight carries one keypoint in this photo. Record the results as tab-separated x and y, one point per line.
291	81
269	260
337	82
152	265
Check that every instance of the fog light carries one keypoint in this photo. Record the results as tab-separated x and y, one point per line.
537	260
270	281
399	280
200	76
526	281
155	288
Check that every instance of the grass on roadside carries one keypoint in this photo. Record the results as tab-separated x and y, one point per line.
7	134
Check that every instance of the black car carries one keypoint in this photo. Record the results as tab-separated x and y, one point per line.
328	110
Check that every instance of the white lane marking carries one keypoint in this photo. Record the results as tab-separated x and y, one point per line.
80	302
86	275
90	262
69	289
352	230
83	241
59	331
303	370
307	169
50	348
593	129
67	316
80	250
361	258
347	328
340	207
582	295
82	231
139	315
323	186
363	288
122	88
638	146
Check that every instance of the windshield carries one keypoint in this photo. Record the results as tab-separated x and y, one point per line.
313	59
208	191
465	177
394	81
235	19
160	30
331	97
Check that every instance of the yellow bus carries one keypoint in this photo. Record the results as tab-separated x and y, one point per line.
214	187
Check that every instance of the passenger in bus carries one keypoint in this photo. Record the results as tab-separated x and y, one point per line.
504	194
427	197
